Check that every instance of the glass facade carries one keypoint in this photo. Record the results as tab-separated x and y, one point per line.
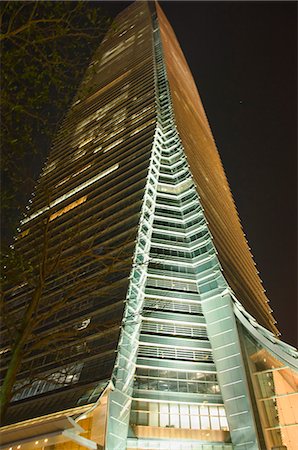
86	207
147	273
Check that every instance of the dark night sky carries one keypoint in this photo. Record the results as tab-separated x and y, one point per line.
243	59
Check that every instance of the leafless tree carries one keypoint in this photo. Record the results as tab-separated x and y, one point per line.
47	304
45	49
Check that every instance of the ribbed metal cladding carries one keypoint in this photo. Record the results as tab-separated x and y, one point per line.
91	192
207	170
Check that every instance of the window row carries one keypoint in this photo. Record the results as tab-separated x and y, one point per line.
179	416
175	353
168	305
201	377
176	285
176	386
174	329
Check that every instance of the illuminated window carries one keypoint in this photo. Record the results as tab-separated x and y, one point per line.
49	168
68	208
112	53
92	117
139	115
114	144
174	416
100	113
24	233
83	324
70	193
205	424
179	415
142	127
153	415
194	417
164	415
114	133
184	416
120	115
86	141
82	170
78	154
62	182
84	123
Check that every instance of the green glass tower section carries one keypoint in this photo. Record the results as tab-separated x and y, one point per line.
173	332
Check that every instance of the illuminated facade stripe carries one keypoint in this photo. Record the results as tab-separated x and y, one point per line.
74	191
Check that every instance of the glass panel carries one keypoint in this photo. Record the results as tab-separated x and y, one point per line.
164	408
153	414
184	419
174	420
222	411
194	410
275	386
223	423
194	422
214	423
184	416
174	409
205	425
213	411
204	410
194	417
143	419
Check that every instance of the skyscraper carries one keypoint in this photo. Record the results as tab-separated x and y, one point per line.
153	330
